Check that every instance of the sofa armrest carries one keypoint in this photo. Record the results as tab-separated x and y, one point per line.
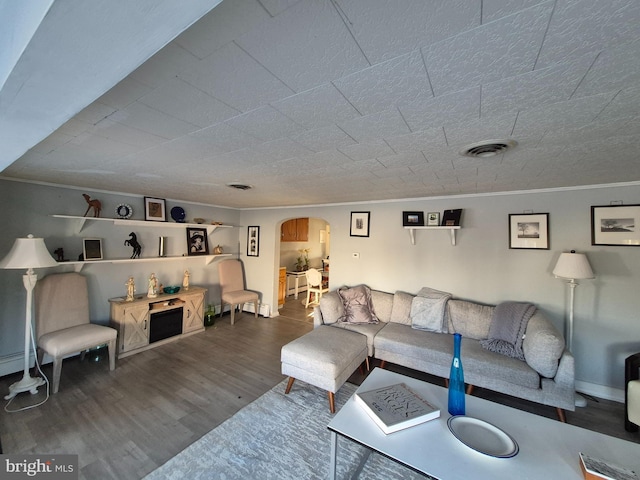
565	375
317	316
543	345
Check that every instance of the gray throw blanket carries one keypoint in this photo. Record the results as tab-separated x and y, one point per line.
508	325
429	309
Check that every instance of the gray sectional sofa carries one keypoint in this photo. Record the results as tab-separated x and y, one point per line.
546	375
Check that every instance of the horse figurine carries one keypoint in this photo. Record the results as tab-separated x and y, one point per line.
95	204
132	241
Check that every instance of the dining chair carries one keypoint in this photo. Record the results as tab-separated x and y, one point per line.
232	288
62	322
314	285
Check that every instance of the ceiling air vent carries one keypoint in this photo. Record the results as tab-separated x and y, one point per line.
240	186
488	148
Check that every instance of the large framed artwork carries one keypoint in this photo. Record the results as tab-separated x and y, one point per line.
360	224
615	225
529	231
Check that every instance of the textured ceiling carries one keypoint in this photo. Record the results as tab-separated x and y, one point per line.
325	101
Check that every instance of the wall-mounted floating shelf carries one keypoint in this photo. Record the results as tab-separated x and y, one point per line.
81	222
79	265
412	232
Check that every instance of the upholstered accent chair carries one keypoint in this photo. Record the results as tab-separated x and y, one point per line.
233	290
62	322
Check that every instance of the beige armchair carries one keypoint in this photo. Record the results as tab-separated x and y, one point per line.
62	321
232	288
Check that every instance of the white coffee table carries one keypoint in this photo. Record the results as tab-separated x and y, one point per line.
548	448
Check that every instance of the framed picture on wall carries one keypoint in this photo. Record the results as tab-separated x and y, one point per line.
92	248
360	224
529	231
615	225
197	243
155	209
433	219
253	241
413	219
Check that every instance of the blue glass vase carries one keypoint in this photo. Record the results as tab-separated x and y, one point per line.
456	380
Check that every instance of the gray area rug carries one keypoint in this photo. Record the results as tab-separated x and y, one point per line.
280	437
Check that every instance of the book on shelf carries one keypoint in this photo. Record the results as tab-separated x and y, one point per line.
396	407
598	469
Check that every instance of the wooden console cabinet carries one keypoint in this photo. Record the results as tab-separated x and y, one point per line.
132	319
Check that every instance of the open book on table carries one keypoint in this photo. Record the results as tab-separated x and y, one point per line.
599	469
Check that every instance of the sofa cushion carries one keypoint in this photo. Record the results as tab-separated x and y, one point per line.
331	307
543	346
428	310
470	319
401	310
382	304
357	305
369	330
433	352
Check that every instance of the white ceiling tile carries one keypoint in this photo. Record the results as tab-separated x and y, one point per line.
486	128
386	84
386	29
325	138
266	124
228	138
164	65
496	9
429	112
125	93
140	116
377	125
180	100
282	149
323	50
583	26
235	78
94	113
276	7
316	108
365	151
406	159
626	104
499	49
51	142
222	25
110	129
418	141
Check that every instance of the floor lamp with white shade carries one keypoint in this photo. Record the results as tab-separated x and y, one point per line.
27	253
571	267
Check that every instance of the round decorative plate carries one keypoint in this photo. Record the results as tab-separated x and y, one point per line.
124	211
482	436
177	213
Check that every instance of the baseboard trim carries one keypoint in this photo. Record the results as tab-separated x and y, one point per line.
14	363
600	391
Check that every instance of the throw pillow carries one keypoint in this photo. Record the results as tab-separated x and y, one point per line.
401	309
358	307
508	325
428	310
331	308
470	319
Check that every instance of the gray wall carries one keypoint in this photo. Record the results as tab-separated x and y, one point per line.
480	267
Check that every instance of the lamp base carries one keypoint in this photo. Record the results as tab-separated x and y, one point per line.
27	384
579	400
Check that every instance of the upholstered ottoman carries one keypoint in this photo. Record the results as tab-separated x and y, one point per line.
325	358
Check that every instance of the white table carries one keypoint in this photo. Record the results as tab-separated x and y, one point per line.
548	448
296	276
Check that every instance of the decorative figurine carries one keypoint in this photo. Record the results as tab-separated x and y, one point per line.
59	254
132	241
185	280
131	289
95	204
152	291
217	250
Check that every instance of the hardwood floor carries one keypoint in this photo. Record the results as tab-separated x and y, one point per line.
125	423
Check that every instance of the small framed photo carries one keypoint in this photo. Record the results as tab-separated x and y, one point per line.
529	231
433	219
615	225
413	219
92	248
155	209
360	224
253	241
197	241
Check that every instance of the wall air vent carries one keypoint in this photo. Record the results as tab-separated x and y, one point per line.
240	186
488	148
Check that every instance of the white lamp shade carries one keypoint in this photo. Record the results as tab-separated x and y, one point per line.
573	266
28	253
